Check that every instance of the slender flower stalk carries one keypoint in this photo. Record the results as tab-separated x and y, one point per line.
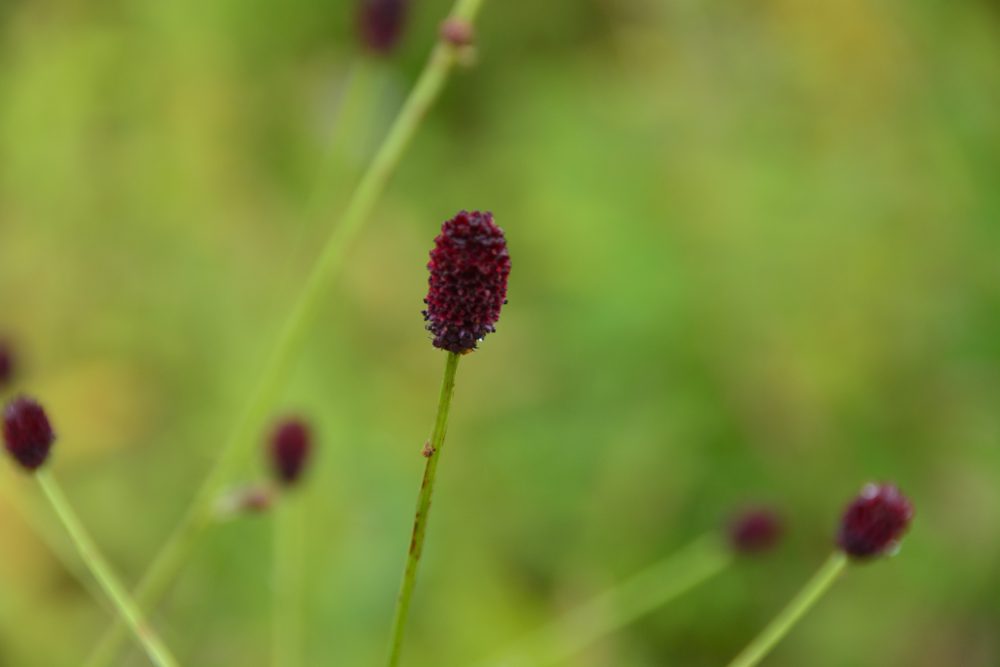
290	341
469	266
144	634
53	537
796	609
619	606
28	437
288	451
749	533
871	527
432	452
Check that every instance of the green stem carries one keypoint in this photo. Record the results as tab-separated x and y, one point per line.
619	606
799	605
198	516
113	588
53	537
433	454
287	582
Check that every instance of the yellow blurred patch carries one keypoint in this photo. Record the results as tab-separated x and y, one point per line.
97	406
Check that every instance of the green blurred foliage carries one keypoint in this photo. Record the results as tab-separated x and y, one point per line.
755	259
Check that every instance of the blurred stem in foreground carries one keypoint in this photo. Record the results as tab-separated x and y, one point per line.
199	515
619	606
109	582
800	604
433	453
288	551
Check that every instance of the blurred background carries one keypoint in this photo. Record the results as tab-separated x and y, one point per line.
755	261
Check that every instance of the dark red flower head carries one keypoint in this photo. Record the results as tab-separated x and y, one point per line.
468	283
27	432
6	364
755	530
289	449
874	521
380	23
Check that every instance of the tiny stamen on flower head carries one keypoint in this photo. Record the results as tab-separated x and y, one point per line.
469	267
380	23
874	522
27	432
755	530
289	450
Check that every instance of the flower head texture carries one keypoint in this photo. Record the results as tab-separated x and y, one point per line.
289	450
27	432
468	281
6	365
874	522
380	23
755	530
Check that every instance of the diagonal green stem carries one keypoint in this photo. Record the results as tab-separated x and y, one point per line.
53	538
619	606
198	516
800	604
105	576
433	454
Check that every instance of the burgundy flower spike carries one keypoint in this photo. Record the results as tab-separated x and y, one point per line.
380	23
755	530
289	450
468	283
27	432
874	521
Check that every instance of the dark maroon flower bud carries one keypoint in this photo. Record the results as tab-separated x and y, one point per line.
27	432
457	32
755	530
380	23
289	449
6	365
874	521
468	284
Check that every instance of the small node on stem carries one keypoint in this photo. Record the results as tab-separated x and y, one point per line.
244	500
460	35
457	32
